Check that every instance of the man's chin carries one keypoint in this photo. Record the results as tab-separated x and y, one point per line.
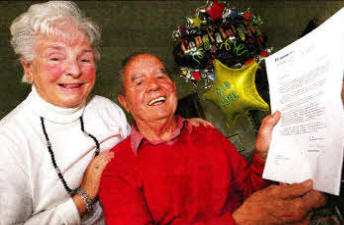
160	116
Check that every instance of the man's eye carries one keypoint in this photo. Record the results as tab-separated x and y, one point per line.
138	83
54	59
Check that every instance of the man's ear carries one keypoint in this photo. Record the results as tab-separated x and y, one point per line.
175	86
123	101
27	69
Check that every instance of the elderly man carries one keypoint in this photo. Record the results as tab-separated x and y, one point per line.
167	172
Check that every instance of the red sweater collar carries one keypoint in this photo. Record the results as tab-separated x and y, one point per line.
136	138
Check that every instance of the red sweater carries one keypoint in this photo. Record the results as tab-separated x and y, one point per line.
198	177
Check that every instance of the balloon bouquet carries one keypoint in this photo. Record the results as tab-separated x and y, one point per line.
219	50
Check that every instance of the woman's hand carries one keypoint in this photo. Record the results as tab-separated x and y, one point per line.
199	121
91	180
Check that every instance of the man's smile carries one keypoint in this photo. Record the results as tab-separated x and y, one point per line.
156	101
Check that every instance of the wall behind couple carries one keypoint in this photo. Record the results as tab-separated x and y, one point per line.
132	26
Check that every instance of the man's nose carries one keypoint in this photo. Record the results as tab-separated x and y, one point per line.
73	68
153	84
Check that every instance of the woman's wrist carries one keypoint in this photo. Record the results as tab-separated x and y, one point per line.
86	198
82	204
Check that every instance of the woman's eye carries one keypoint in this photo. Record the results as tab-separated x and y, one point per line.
138	83
55	57
85	60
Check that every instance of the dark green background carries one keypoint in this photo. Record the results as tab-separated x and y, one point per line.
131	26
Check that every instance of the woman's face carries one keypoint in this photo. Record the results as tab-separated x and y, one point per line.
63	69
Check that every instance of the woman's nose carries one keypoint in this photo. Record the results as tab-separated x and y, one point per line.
73	69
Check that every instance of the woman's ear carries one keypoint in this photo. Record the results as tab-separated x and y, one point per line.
27	69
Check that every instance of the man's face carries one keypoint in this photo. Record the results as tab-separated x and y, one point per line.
150	94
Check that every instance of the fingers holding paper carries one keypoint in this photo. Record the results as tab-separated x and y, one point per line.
265	133
280	204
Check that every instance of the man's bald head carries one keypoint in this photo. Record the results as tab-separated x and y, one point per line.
127	60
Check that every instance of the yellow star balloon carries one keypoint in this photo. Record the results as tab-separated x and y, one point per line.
196	22
234	90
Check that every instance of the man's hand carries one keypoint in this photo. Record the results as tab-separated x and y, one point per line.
282	204
264	135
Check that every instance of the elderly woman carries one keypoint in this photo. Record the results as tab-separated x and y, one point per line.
55	134
53	144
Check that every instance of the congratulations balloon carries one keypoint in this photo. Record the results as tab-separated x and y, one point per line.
234	90
218	32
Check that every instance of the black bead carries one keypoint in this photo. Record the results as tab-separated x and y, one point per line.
52	156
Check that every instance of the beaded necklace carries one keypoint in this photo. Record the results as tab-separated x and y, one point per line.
52	156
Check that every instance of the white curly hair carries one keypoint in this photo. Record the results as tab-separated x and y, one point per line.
45	19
